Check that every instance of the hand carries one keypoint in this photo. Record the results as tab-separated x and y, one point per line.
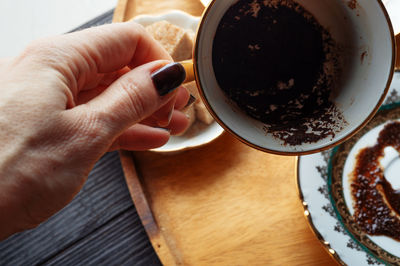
67	100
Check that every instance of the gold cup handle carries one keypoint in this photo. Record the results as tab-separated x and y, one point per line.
188	65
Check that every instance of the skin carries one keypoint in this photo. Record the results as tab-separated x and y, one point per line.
64	102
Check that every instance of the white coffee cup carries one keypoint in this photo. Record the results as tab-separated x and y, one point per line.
367	35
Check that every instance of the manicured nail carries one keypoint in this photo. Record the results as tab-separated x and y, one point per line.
191	100
168	78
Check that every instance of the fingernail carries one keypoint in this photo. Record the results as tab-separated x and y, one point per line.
165	123
191	100
168	78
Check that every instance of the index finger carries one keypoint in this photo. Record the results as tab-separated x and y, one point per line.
114	46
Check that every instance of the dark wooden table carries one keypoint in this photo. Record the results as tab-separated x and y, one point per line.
99	227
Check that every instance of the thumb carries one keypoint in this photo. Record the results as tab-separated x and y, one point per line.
133	97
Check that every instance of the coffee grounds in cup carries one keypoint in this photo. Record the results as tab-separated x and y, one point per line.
278	64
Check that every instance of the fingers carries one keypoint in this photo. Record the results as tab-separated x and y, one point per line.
95	65
141	137
134	96
182	98
104	80
81	56
163	116
98	84
178	122
116	45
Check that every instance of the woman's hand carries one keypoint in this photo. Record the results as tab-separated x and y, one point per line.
67	100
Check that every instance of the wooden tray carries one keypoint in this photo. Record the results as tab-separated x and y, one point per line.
222	204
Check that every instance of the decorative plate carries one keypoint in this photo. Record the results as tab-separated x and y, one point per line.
199	134
323	181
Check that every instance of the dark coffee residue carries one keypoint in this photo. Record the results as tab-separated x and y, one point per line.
275	61
376	203
352	4
363	55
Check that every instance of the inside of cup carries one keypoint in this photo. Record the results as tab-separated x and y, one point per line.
362	31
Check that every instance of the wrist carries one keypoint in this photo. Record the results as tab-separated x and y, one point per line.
11	218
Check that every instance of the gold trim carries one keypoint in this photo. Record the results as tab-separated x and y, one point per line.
295	153
307	215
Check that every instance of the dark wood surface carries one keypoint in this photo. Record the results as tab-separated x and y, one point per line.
99	227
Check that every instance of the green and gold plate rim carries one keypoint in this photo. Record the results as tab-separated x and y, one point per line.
335	186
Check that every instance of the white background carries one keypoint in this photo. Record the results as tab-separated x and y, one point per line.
24	20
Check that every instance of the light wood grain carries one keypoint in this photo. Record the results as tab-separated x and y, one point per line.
222	204
228	204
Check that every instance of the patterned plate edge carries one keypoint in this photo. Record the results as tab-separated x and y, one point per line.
326	245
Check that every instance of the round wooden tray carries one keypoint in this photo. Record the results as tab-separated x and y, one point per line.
221	204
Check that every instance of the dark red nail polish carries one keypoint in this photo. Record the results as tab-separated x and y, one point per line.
168	78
